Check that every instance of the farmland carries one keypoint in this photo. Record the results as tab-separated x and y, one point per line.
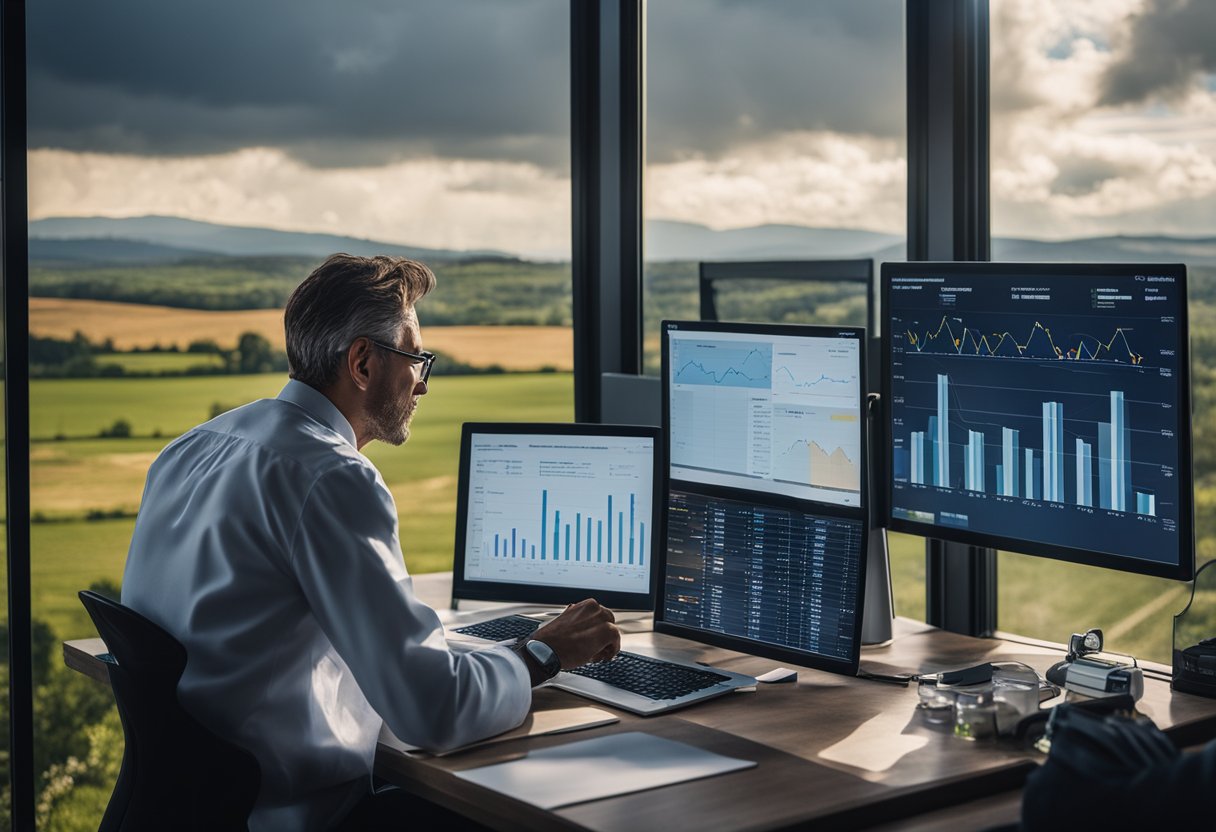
72	478
77	475
136	326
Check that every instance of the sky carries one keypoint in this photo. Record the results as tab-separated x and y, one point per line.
445	123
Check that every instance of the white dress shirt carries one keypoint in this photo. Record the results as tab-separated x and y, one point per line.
267	544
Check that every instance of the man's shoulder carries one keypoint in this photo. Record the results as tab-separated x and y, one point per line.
275	432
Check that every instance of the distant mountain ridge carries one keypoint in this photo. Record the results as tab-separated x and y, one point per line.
152	239
95	238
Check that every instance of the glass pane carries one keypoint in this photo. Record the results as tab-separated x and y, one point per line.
1102	151
775	131
186	173
5	787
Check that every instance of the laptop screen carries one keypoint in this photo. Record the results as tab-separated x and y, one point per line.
766	518
551	513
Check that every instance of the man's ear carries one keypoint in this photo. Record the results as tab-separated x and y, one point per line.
358	359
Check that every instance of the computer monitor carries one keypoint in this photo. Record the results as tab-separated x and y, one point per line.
766	523
555	513
1042	409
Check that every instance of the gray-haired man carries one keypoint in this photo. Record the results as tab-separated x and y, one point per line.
267	544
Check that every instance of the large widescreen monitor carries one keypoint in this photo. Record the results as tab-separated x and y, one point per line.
766	524
555	513
1042	409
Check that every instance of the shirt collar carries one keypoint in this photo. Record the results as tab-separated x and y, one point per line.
318	405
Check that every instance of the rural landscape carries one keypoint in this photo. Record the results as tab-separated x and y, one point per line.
141	331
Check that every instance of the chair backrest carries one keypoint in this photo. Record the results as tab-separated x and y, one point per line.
176	774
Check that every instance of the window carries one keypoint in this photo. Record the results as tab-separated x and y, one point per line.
187	167
775	131
1104	148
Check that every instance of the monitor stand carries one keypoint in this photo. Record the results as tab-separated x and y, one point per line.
878	604
878	610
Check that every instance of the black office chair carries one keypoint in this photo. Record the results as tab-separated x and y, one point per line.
175	773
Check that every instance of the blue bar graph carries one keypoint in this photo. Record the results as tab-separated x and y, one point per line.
572	540
544	512
631	528
1008	478
1030	476
973	474
943	438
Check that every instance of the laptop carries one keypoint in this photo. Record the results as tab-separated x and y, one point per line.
555	513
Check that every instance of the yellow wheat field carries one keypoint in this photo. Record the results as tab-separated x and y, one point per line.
137	325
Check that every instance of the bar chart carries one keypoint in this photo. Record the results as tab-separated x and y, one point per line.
1036	473
560	511
1019	410
629	546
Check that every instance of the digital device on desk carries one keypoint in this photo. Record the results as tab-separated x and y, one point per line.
766	504
1042	409
555	513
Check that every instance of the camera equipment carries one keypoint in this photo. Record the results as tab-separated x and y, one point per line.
1083	672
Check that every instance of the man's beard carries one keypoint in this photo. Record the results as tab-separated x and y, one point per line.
388	415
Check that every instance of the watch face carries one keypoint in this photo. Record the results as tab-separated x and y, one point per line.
543	654
540	651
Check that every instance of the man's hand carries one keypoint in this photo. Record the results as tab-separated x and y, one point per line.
583	633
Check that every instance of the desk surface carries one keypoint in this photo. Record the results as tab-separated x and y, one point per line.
840	751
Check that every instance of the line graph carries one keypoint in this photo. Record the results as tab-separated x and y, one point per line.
741	364
818	446
1039	343
824	379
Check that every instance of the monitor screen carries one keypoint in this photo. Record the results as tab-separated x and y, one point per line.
1042	409
556	513
766	527
775	412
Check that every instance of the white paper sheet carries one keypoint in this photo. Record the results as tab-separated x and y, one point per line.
600	767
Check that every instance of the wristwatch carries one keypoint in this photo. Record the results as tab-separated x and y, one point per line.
541	660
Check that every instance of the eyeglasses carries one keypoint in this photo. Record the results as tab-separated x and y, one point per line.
428	358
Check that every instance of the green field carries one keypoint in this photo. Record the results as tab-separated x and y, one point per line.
71	477
160	362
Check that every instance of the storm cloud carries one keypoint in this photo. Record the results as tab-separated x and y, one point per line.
341	84
1170	44
378	81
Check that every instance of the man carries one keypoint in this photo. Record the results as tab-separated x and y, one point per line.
267	544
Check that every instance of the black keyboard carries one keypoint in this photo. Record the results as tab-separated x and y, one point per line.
652	678
501	629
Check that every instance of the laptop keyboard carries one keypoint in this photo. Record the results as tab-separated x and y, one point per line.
652	678
501	629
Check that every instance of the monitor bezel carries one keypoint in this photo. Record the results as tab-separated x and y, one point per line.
1185	569
466	589
860	513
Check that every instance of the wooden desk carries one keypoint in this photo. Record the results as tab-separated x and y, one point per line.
840	752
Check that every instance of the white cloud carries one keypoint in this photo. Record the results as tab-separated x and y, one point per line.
1064	166
514	206
814	178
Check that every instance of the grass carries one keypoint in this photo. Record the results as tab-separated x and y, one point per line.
71	477
160	362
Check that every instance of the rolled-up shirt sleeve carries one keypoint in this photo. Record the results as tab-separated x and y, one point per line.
347	558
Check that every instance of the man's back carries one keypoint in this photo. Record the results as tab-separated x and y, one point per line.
268	545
